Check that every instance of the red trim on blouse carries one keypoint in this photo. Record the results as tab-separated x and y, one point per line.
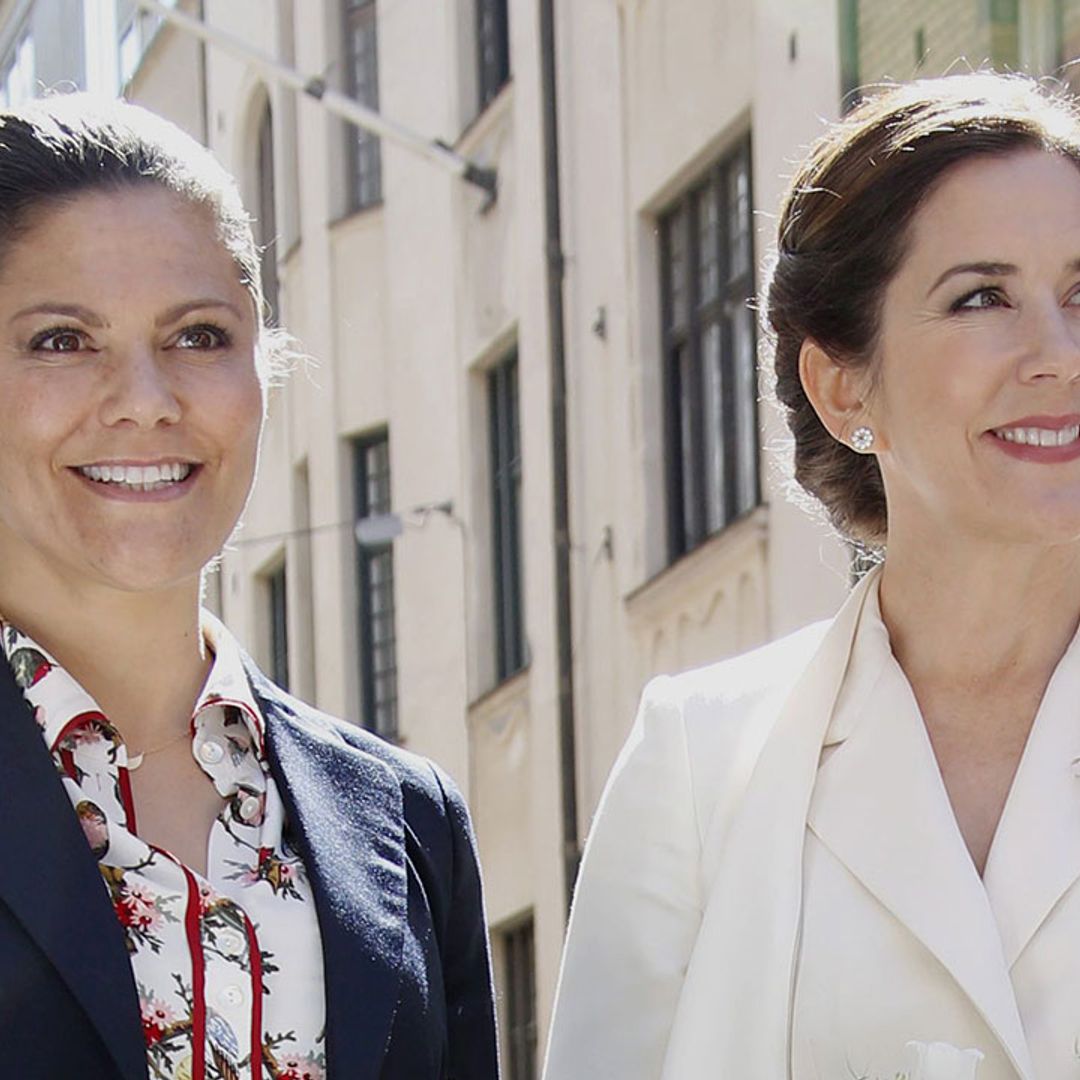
193	928
255	960
123	779
80	720
67	762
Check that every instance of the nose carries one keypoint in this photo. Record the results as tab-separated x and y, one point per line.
1054	347
139	392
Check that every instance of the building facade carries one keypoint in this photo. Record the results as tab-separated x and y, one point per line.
425	405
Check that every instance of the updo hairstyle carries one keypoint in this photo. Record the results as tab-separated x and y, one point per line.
843	233
57	148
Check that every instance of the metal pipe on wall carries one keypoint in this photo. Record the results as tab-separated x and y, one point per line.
556	268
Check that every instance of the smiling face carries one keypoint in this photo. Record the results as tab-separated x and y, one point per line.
975	401
130	405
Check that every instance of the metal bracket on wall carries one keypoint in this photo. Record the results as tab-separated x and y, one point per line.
315	88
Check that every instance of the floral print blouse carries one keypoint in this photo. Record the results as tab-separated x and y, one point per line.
228	966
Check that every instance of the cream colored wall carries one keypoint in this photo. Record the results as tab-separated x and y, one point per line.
405	305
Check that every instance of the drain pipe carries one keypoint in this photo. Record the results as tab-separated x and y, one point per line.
571	847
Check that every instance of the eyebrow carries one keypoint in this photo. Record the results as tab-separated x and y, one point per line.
91	318
178	311
989	269
68	311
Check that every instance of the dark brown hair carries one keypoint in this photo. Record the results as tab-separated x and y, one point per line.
842	236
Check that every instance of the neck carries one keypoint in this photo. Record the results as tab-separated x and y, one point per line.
140	655
972	614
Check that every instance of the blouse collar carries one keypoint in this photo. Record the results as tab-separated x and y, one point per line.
62	706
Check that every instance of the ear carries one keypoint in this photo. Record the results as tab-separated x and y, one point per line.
837	393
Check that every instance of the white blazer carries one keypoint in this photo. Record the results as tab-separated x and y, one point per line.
683	956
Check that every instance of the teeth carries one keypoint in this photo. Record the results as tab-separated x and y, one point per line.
140	477
1040	436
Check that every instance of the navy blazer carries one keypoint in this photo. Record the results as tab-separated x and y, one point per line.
389	851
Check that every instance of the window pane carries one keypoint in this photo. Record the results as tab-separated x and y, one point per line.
362	83
377	468
739	219
677	268
519	995
708	225
375	573
279	628
505	461
266	223
691	479
713	423
492	48
745	372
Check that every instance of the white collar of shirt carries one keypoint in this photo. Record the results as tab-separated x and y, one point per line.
62	705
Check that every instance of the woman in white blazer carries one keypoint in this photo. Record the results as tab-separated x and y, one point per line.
854	853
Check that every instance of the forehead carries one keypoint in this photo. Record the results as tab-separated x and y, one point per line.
132	241
1024	205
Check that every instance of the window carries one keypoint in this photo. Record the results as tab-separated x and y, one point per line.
1005	34
519	973
279	627
362	83
849	53
137	30
375	577
710	378
17	74
505	456
266	223
492	48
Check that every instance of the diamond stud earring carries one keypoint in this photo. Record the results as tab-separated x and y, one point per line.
862	438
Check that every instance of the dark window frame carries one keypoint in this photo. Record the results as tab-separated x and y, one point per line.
277	602
504	462
363	150
519	975
682	344
378	654
492	50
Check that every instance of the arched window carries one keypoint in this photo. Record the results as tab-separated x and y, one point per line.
266	221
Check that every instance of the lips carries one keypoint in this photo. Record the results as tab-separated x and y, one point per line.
1039	436
1042	439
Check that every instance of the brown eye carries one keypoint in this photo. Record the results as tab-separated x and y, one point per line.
57	340
980	299
202	338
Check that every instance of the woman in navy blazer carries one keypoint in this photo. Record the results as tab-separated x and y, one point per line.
98	208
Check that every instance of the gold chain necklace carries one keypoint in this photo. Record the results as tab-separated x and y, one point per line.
135	760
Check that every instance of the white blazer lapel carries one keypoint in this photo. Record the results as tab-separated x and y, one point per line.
1035	857
880	806
746	946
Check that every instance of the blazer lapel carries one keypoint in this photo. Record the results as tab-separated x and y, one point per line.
754	943
55	888
345	812
1035	856
880	806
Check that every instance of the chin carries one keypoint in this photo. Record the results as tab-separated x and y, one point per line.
151	579
148	567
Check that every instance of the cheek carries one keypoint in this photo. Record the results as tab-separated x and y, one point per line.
239	417
37	415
